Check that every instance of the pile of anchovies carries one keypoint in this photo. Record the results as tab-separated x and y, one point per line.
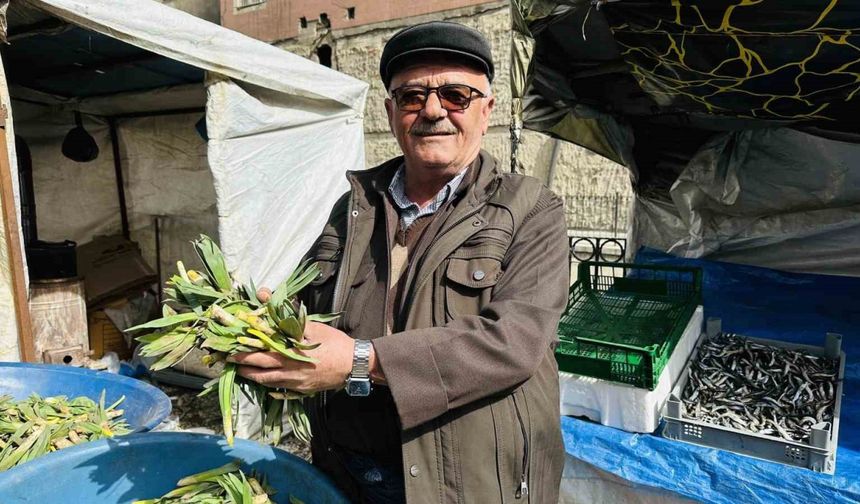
761	389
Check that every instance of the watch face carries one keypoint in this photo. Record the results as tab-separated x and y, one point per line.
358	387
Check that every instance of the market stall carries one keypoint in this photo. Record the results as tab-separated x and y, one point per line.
155	127
737	121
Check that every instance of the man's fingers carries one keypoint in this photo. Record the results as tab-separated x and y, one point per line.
264	294
271	377
266	360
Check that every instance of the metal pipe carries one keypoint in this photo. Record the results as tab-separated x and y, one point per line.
120	184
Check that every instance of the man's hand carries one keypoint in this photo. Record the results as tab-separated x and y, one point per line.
264	294
334	356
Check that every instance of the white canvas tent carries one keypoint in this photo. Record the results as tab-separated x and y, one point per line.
281	131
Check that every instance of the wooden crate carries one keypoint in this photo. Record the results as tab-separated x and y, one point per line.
59	318
104	335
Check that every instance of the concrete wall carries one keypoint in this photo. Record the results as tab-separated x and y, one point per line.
590	184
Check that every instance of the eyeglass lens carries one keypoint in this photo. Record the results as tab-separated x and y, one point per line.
453	97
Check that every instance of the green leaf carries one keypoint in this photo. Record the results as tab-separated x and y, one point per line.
150	338
219	344
210	474
225	399
213	260
191	291
281	349
303	346
167	342
292	327
179	352
323	317
302	276
163	322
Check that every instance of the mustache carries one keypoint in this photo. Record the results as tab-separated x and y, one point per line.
427	128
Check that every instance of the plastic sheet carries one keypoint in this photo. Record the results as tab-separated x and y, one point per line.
756	302
778	198
278	164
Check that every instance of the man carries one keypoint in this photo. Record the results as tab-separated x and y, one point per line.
438	382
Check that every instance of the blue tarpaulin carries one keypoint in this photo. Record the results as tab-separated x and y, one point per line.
762	303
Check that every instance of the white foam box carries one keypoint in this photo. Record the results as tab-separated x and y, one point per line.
623	406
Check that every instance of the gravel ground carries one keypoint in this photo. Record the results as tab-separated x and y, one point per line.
202	414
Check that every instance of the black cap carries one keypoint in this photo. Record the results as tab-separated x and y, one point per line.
435	37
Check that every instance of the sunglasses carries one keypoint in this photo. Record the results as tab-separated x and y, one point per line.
453	97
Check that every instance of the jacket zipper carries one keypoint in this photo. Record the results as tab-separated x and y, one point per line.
337	288
523	488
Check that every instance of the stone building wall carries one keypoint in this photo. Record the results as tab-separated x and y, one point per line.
204	9
597	191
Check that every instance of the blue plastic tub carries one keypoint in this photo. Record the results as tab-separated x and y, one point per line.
141	466
145	406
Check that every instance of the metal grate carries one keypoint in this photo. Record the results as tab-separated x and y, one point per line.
598	213
596	248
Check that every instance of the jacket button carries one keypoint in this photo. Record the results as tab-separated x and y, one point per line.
414	471
476	223
478	275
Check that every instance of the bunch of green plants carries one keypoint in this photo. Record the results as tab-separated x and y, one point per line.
209	310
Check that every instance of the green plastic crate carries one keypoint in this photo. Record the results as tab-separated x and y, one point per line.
623	321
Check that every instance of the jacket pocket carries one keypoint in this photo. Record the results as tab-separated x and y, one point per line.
469	284
358	297
326	254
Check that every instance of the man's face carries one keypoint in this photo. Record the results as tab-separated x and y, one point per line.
435	138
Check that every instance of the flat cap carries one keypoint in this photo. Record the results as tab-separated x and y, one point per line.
451	39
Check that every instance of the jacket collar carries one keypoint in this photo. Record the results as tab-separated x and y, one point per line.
369	184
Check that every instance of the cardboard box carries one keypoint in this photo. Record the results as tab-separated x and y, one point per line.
112	266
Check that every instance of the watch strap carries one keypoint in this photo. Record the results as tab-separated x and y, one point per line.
361	360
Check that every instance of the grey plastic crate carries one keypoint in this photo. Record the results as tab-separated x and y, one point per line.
818	453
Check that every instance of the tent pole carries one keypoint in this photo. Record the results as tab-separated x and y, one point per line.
26	348
158	257
120	185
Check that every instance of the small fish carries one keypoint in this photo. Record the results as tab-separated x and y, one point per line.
767	390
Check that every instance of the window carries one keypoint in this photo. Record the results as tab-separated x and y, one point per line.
303	22
350	12
324	20
241	4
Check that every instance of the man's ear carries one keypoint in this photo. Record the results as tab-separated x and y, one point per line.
486	108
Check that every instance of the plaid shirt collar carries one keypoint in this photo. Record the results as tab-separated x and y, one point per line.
410	211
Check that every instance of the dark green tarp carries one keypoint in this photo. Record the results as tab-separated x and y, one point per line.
646	82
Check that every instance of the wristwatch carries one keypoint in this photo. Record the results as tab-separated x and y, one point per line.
358	381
